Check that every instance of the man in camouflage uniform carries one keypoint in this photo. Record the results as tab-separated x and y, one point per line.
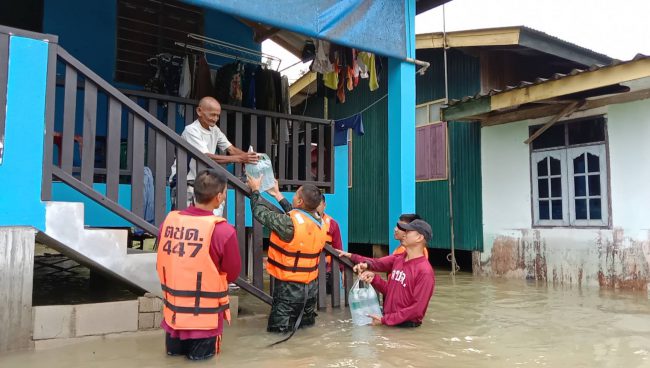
289	298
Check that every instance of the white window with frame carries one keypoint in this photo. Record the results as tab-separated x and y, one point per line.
569	174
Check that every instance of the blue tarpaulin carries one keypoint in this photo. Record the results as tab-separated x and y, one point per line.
378	26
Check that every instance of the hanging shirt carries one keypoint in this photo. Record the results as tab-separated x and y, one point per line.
321	63
203	85
185	86
341	127
368	60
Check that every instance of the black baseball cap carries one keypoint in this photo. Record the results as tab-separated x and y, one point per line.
420	226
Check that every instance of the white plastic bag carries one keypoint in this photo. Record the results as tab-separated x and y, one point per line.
363	301
262	167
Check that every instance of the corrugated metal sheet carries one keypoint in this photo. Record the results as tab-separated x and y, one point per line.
464	75
368	201
465	157
432	203
454	99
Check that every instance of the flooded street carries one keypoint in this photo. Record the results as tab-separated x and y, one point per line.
469	323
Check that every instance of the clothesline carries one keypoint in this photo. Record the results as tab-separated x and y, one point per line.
366	108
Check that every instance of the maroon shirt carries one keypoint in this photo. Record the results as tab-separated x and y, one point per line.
335	232
224	251
408	290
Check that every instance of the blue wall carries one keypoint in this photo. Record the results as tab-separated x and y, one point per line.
22	165
87	30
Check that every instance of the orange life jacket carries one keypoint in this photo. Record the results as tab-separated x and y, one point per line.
401	249
297	260
194	290
327	222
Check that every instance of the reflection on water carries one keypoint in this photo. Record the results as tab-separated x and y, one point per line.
470	323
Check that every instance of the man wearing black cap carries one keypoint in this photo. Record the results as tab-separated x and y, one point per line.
411	280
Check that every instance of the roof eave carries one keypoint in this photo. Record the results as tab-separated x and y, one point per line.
554	46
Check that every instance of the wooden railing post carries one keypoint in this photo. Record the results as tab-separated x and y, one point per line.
113	145
307	152
137	165
69	112
89	133
50	102
322	283
336	283
258	255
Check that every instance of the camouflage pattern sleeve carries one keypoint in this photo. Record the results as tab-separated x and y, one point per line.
279	223
286	206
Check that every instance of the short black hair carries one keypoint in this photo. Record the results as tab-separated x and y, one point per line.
322	195
409	217
208	184
311	196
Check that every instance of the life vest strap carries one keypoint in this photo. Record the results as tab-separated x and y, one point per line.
194	293
195	311
294	254
291	268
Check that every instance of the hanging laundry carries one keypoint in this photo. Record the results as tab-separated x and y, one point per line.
185	86
286	98
322	63
331	79
361	65
236	95
249	88
203	80
265	93
354	122
368	61
340	90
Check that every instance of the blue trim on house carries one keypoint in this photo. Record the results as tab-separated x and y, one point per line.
21	169
401	127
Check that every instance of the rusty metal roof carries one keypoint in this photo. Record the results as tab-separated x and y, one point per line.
537	81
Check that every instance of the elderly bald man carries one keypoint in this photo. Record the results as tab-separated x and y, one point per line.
205	135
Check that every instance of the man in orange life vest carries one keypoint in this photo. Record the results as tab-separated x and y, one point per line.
297	238
198	255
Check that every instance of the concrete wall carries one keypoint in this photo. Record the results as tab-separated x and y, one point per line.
616	257
17	267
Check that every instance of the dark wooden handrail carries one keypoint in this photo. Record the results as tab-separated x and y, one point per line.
169	134
244	110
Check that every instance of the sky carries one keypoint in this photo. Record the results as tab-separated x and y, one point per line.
619	29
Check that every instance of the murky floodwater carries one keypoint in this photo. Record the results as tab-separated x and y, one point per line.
470	323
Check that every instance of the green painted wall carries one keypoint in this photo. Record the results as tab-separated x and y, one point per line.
368	219
433	205
464	154
465	157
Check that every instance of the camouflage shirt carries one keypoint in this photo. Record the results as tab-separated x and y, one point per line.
279	223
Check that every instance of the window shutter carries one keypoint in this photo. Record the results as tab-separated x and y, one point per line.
431	152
